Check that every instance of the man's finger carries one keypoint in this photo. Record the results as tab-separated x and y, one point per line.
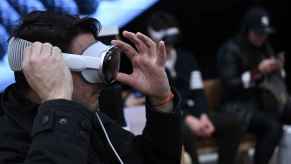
148	41
36	49
124	78
26	65
151	45
162	54
26	57
46	49
124	47
140	46
57	52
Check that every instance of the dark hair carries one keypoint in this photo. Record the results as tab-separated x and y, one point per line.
56	28
162	20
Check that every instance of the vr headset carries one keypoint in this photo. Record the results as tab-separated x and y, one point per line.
99	63
169	35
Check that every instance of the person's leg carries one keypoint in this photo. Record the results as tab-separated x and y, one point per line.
285	117
268	132
227	133
189	142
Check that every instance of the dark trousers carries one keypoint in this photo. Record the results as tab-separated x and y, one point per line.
227	135
266	126
268	129
268	132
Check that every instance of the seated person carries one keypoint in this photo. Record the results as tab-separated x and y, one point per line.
51	115
252	76
183	70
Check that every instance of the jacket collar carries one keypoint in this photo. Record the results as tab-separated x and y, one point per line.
16	106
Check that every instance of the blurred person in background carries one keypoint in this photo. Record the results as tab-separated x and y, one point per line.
252	75
183	70
51	115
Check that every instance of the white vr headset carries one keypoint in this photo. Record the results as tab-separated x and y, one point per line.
99	63
159	35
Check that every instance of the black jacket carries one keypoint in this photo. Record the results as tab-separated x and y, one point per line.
65	132
236	57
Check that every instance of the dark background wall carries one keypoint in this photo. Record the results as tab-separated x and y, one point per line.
206	24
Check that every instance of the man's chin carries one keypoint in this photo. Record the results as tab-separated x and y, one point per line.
92	104
93	107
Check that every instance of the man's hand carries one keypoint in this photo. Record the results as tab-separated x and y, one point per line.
46	72
207	126
201	127
148	61
269	65
194	124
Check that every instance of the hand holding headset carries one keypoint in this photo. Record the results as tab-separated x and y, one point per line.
98	64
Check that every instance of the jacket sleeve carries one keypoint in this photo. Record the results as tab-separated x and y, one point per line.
201	104
196	88
160	141
194	100
60	134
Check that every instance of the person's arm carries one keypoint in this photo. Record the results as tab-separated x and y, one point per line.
160	142
196	88
60	129
201	104
196	98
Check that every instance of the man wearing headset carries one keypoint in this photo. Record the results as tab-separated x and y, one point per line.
184	71
50	114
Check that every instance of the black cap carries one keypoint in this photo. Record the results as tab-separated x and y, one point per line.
258	20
